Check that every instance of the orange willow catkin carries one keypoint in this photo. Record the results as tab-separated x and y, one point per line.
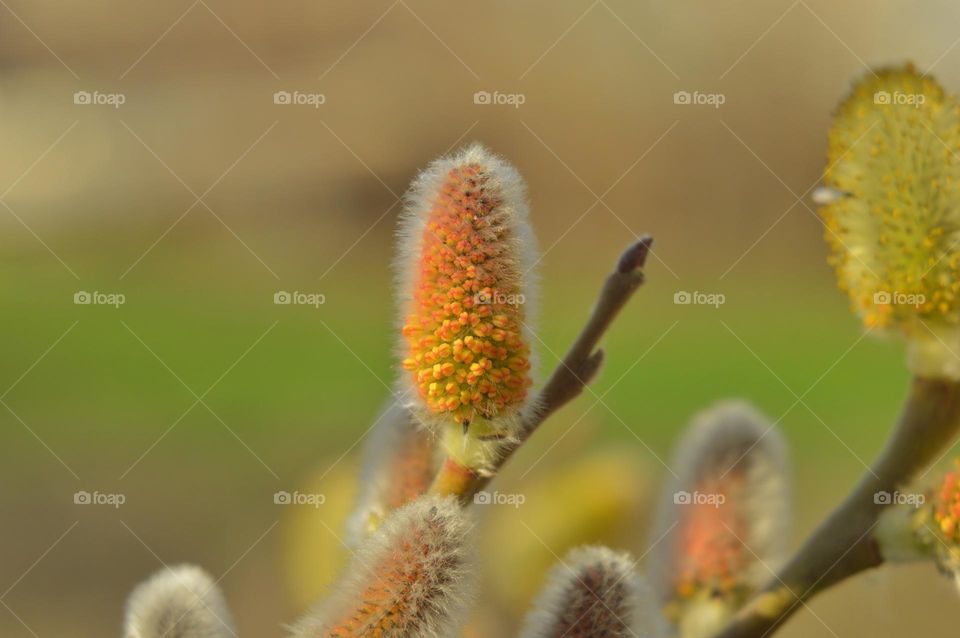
594	593
410	579
946	524
723	520
927	528
178	602
466	253
399	464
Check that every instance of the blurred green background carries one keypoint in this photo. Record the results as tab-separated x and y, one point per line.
199	198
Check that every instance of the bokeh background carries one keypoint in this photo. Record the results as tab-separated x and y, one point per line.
199	198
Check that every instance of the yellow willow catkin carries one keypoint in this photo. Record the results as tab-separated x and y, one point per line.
594	593
411	579
178	602
723	520
465	291
893	220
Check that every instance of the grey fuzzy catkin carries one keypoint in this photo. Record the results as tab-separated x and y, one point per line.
594	593
412	578
178	602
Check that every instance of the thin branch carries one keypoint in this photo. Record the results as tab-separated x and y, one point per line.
571	376
844	544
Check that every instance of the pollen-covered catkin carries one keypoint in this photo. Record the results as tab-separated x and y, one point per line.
465	285
893	223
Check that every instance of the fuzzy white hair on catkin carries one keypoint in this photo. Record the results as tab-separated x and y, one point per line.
731	437
396	436
178	602
594	592
514	211
412	578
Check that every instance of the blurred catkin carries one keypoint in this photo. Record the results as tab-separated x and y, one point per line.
893	222
594	593
400	461
178	602
411	579
723	522
465	288
934	526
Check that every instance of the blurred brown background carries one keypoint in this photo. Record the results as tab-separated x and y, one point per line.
199	197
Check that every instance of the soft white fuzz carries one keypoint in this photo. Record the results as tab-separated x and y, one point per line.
178	602
399	462
411	579
594	593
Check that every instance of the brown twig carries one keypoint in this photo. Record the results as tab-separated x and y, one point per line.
570	377
844	544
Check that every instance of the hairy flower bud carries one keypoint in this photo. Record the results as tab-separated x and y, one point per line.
464	286
178	602
594	593
894	222
399	464
410	579
723	522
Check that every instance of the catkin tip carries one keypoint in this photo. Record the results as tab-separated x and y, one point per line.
178	602
411	579
594	593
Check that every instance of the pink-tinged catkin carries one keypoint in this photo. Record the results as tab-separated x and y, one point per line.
465	286
724	519
594	593
411	579
399	464
178	602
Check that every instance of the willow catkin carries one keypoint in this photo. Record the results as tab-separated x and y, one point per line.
411	579
465	289
893	223
178	602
